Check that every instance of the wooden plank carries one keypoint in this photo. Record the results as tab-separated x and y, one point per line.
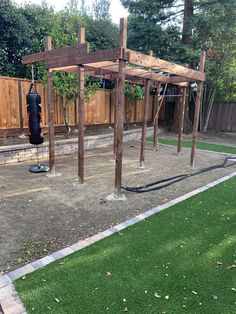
81	78
145	117
48	46
56	53
85	58
197	110
20	106
157	106
120	108
107	67
179	79
162	65
145	120
36	57
181	118
115	120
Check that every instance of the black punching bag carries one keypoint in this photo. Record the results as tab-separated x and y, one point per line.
34	117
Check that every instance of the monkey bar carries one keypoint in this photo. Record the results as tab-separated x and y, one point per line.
118	64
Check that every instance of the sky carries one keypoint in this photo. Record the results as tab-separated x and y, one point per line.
117	10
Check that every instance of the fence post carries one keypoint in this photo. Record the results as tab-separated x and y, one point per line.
20	107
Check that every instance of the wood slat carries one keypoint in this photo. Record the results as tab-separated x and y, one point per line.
162	65
58	53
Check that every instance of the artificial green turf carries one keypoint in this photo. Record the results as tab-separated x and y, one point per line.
200	145
175	254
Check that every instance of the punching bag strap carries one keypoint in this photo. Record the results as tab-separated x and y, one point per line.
33	84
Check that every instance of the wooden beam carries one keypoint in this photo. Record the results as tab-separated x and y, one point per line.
157	106
85	58
145	119
197	110
179	79
81	77
120	108
48	46
181	117
115	120
49	56
20	107
162	65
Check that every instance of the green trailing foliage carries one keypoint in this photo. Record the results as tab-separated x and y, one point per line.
133	92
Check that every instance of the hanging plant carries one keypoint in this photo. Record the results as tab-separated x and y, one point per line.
133	92
90	89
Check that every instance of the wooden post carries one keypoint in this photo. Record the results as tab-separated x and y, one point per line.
120	108
48	46
156	112
145	119
76	113
197	110
181	117
20	107
115	120
81	39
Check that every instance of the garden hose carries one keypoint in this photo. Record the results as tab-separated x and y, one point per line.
160	184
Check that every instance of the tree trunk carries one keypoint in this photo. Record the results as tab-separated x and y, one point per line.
64	104
187	30
187	121
209	110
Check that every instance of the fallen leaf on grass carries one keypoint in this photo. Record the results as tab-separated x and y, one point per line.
231	266
63	261
125	309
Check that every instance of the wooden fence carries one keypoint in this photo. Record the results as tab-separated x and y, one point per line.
223	117
100	110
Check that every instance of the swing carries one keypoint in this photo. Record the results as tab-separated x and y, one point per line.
33	101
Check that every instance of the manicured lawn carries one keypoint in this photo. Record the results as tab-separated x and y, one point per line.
200	145
178	261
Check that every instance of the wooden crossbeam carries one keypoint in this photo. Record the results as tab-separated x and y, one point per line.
179	79
86	58
112	67
49	56
162	65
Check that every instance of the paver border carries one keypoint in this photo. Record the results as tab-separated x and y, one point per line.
10	301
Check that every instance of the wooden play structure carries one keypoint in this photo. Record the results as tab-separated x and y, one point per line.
118	64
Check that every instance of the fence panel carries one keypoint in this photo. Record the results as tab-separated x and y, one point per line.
100	109
223	117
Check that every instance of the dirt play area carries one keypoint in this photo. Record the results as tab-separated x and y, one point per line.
41	214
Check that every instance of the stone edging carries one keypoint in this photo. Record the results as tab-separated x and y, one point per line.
27	152
11	303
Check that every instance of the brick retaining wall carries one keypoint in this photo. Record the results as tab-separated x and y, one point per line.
27	152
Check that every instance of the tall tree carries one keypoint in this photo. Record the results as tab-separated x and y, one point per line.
101	9
15	36
188	14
